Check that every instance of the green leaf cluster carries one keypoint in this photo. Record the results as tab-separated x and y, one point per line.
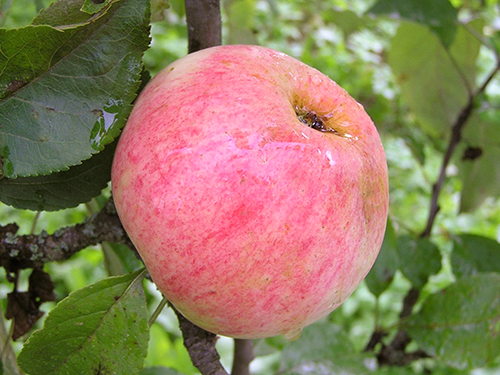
67	82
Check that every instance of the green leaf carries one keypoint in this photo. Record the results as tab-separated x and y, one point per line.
60	190
326	367
65	92
102	327
434	82
62	14
120	259
240	15
438	368
465	49
347	20
461	324
94	6
474	254
158	370
418	259
439	15
478	165
158	10
394	371
386	265
323	348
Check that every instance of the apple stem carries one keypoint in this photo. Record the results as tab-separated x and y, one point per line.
243	355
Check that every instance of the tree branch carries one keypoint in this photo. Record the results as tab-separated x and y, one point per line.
203	24
395	353
29	251
200	345
456	136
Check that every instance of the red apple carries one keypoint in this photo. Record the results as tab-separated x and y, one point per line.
254	188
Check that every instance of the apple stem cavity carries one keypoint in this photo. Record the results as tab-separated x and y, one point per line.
314	121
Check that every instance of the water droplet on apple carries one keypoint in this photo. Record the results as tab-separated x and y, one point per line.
316	80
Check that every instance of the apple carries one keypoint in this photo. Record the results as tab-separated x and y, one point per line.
254	188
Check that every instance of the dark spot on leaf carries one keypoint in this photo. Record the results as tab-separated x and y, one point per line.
472	153
116	298
99	370
98	1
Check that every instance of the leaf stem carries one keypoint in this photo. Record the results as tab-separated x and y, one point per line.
157	311
35	222
8	355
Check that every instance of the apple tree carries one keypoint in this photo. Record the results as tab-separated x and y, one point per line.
76	298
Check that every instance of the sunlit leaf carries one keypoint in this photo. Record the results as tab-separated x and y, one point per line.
347	20
439	15
91	329
435	83
240	15
461	324
157	370
65	92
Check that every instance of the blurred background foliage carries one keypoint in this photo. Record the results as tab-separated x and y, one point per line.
391	67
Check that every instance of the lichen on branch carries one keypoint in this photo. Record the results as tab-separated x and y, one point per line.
33	250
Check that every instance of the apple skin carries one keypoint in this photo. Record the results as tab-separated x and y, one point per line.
250	222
